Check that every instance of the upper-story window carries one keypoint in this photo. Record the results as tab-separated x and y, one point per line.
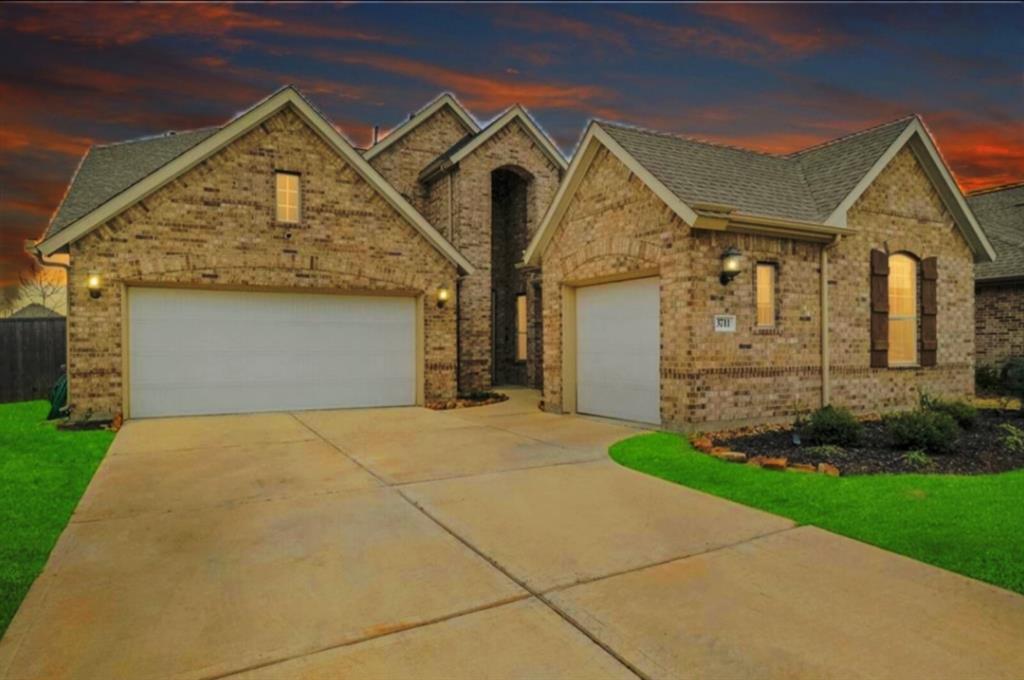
902	310
288	196
765	289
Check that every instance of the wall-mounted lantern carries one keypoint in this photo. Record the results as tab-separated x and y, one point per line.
732	260
95	286
443	294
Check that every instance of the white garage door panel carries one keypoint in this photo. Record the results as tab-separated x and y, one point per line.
200	352
618	350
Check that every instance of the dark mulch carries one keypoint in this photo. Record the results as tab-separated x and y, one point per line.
979	450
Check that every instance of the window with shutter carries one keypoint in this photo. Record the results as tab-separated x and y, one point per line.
902	287
929	311
879	309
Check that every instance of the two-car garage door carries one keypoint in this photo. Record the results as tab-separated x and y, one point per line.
203	352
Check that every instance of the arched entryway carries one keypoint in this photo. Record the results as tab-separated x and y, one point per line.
514	297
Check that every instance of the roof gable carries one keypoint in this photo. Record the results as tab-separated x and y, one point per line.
222	137
444	101
470	143
805	194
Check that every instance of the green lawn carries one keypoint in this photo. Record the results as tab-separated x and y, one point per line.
43	473
968	524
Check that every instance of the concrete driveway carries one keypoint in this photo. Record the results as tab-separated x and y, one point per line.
492	542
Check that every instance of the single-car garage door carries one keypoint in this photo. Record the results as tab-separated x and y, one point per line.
200	351
618	350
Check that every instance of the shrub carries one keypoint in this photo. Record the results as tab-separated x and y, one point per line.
963	413
1013	376
924	430
1013	439
833	425
825	452
918	459
987	378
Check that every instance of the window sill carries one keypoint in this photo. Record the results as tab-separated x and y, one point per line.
767	330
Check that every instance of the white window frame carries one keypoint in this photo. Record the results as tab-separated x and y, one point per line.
292	198
522	328
772	289
914	317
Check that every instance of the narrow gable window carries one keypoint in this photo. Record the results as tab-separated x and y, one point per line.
520	328
765	283
902	310
287	196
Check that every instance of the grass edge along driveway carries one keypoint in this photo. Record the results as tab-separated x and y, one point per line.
43	473
967	524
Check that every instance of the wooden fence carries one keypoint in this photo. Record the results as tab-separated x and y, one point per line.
32	352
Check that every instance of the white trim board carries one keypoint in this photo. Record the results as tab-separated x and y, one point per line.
287	96
424	114
517	112
923	146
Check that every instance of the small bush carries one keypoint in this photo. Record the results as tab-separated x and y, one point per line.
918	459
924	430
963	413
825	452
1013	438
1013	376
987	378
833	425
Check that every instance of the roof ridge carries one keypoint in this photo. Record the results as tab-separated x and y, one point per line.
994	189
685	138
159	135
855	133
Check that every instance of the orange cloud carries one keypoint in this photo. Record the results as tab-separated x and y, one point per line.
479	91
788	30
28	137
536	20
112	24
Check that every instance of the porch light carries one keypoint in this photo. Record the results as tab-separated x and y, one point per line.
95	286
732	260
442	296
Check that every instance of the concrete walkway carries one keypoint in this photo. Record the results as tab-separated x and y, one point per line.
482	543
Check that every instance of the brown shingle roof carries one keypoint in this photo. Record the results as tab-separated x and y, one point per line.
1000	212
807	185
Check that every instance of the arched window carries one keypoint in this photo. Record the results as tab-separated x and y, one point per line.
902	310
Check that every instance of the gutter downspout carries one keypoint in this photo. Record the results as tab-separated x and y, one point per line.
826	383
32	249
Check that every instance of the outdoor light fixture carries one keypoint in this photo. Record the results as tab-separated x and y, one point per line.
94	285
442	296
731	263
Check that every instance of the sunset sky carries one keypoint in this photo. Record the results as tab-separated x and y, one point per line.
769	77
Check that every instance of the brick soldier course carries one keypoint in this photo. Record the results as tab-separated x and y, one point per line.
492	192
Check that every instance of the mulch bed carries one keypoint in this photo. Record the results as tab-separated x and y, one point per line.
467	401
979	450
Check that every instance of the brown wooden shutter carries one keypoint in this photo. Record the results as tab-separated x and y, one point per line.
929	311
879	309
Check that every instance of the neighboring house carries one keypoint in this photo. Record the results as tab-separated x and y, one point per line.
853	263
268	265
35	311
999	285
